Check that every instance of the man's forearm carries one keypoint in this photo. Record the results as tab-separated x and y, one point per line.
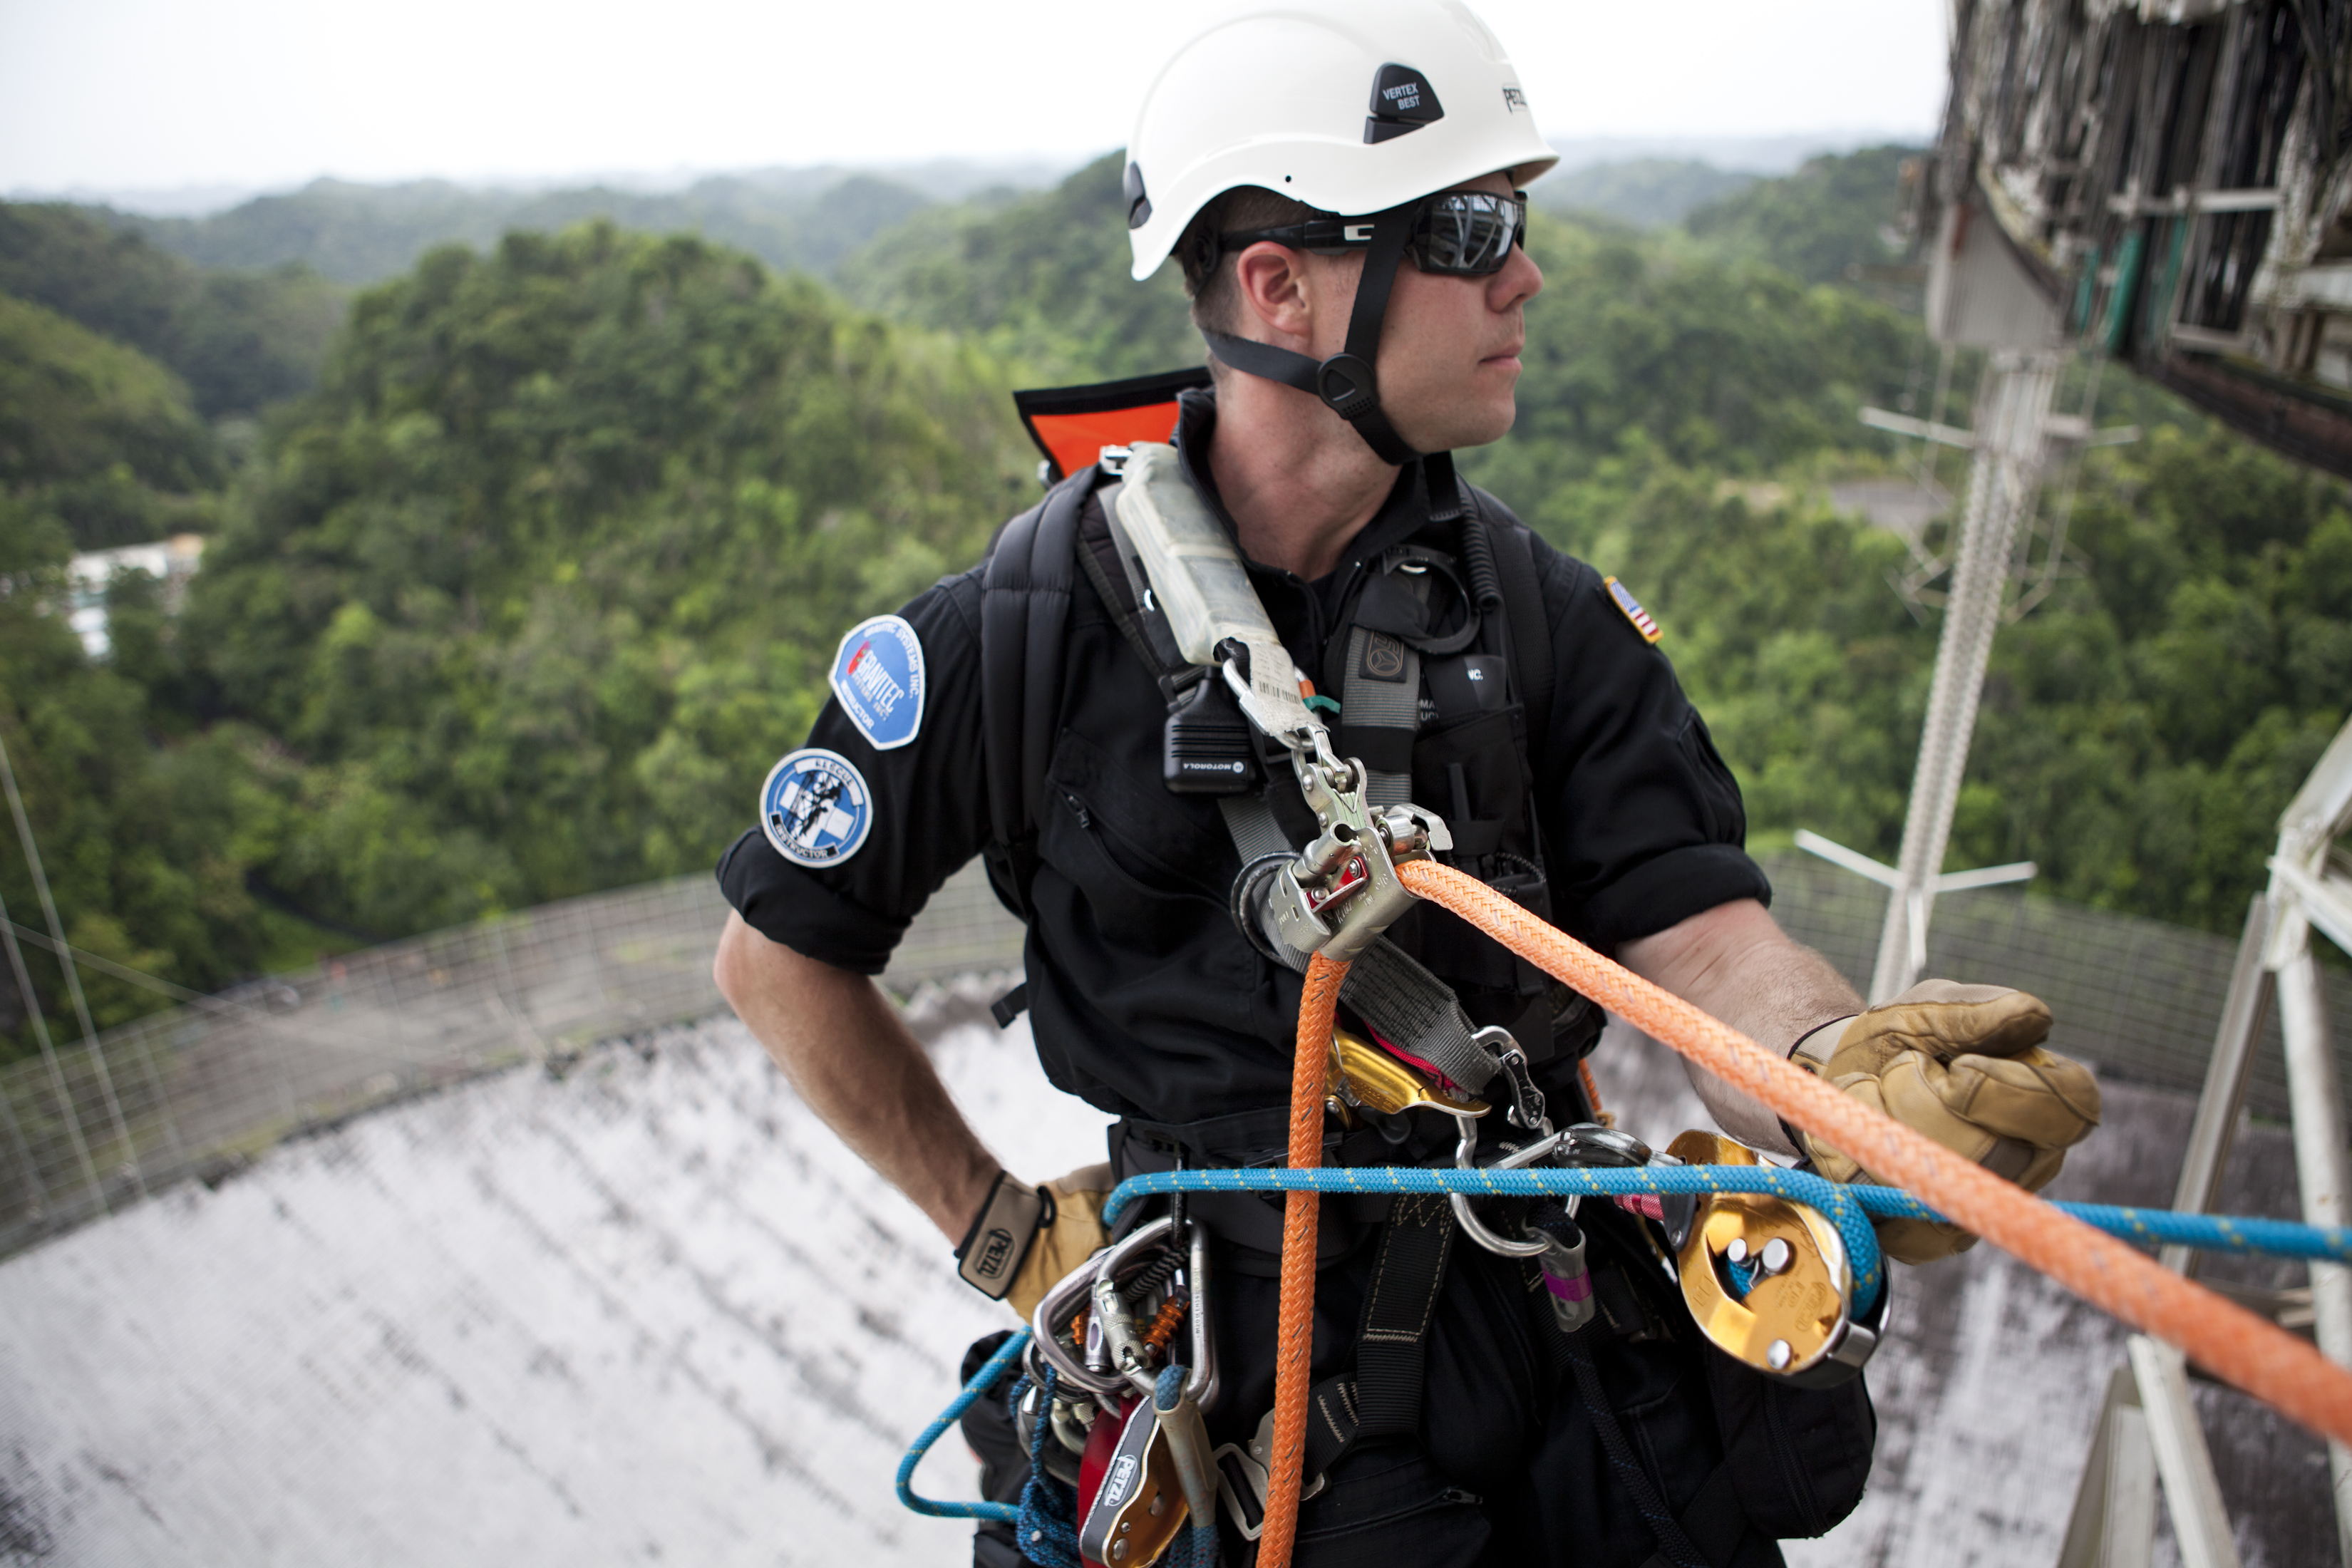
1734	962
848	1055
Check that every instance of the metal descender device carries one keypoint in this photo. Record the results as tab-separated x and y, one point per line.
1125	1417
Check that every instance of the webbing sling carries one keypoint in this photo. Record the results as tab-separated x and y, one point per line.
1383	1396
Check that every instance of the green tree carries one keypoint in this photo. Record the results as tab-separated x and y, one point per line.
552	567
1042	280
1828	216
239	341
146	845
96	436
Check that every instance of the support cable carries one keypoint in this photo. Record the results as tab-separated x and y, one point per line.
73	975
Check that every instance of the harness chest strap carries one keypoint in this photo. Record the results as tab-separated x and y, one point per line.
1387	987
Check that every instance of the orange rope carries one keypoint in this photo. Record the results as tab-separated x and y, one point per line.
1295	1340
2226	1339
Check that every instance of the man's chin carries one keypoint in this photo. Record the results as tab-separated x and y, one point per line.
1466	429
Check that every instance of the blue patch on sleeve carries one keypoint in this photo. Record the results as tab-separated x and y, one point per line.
815	808
877	675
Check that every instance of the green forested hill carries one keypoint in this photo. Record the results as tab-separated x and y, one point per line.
1041	279
525	597
522	602
358	235
99	445
239	340
1816	222
529	594
1644	192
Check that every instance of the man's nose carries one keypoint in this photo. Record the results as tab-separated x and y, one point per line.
1520	280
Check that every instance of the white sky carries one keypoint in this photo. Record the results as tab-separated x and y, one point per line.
151	94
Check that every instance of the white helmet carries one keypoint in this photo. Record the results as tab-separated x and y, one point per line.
1359	108
1353	106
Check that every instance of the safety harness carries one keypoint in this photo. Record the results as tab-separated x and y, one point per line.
1210	749
1087	525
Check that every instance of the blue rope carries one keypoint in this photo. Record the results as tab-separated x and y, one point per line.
1848	1207
1048	1527
2161	1227
982	1381
1835	1202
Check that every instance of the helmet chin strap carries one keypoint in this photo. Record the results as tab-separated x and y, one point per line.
1344	382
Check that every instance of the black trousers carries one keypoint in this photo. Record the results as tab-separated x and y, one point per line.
1506	1466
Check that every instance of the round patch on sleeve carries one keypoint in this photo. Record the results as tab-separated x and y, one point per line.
879	676
815	808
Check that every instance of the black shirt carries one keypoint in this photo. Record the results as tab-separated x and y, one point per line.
1144	998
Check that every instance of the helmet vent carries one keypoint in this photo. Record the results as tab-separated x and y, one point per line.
1139	205
1403	102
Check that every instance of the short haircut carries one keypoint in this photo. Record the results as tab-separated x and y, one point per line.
1208	272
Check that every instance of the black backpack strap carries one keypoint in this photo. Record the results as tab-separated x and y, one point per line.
1523	606
1023	613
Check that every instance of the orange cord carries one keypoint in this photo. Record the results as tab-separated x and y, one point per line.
1162	1329
1295	1340
1592	1093
2226	1339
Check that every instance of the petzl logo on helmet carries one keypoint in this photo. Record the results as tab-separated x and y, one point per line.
1402	103
1514	99
815	808
879	676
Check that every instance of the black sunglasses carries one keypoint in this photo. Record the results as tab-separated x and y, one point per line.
1456	234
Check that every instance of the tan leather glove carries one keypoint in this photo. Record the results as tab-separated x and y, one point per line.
1964	1064
1074	1235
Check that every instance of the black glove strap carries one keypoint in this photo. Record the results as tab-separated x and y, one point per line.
1001	1233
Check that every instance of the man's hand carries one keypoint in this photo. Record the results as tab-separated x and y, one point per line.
1074	1234
1964	1064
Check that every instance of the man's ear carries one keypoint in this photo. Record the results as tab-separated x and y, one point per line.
1278	293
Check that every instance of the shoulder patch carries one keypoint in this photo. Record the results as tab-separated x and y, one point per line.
1632	609
878	676
815	808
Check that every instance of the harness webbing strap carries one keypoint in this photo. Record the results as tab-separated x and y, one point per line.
1379	712
1390	990
1383	1396
1530	628
1255	832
